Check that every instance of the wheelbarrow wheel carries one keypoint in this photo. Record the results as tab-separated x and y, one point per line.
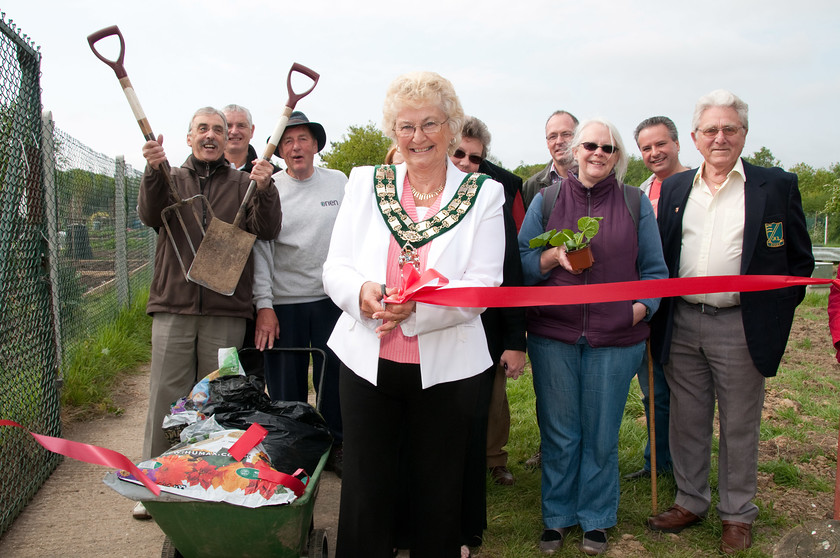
169	550
318	545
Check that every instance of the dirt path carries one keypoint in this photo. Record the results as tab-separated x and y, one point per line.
75	514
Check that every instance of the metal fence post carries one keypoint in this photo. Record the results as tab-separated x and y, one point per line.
120	263
50	195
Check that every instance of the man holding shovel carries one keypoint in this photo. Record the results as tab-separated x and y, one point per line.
191	323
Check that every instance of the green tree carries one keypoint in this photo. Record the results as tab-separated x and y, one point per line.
637	172
525	172
362	145
763	158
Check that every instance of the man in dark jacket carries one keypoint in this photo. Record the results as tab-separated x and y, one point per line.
726	218
559	131
191	323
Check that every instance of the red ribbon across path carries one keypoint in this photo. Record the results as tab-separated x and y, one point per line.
89	454
420	289
428	288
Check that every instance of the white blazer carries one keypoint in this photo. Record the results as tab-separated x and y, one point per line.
451	340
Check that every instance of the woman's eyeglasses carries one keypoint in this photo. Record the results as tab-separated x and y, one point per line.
474	159
429	128
592	146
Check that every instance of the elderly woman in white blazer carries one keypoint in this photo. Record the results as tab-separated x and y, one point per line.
409	373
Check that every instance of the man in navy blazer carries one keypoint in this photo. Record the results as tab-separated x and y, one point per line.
726	218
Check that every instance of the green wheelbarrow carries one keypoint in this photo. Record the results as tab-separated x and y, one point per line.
201	529
205	529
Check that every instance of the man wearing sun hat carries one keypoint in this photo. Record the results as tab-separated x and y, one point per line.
292	308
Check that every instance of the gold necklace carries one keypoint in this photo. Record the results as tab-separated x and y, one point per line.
427	196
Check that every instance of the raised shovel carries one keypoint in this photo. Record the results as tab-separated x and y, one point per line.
223	253
145	127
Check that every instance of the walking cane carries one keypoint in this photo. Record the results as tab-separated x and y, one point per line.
837	483
652	431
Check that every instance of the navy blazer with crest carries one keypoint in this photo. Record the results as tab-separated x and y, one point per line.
776	242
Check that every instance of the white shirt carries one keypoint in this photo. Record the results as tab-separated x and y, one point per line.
713	233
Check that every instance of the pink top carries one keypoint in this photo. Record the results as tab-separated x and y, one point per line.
395	346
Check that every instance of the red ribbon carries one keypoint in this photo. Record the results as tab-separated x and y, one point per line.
411	281
89	454
248	441
505	297
289	481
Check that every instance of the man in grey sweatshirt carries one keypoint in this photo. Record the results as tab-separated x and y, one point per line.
292	308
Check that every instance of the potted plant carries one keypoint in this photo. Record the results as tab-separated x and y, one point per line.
577	243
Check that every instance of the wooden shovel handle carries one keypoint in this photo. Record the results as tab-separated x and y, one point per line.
274	140
133	101
116	65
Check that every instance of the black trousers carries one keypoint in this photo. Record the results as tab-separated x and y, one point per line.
432	426
308	324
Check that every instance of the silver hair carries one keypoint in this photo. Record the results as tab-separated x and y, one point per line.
476	129
208	110
418	89
620	167
243	110
720	98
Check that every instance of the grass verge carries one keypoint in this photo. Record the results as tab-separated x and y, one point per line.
94	363
796	463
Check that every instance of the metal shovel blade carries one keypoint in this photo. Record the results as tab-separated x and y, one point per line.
221	257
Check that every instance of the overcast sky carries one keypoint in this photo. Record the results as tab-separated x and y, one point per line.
511	62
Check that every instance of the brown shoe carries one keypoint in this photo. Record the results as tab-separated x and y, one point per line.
674	520
501	475
736	536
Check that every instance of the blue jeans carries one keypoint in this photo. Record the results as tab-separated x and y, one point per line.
581	392
662	412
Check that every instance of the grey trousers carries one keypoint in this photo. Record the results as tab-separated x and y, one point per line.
709	359
184	350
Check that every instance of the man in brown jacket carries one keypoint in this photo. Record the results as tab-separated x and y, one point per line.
190	323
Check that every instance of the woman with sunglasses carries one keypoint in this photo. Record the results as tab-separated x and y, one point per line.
583	356
505	331
409	375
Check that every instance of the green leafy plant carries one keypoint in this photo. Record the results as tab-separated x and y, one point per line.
587	226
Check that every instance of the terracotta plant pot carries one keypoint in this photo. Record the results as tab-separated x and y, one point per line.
581	259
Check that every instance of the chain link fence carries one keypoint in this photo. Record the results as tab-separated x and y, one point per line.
72	254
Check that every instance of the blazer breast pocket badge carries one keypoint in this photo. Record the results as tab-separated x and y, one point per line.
775	235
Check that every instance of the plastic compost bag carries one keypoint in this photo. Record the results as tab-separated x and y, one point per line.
205	470
297	434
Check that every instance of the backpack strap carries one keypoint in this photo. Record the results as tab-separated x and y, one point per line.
633	200
550	194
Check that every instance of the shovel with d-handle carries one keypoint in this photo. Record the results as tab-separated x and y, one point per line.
145	127
225	249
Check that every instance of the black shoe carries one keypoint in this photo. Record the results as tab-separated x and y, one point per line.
594	542
636	475
335	461
552	540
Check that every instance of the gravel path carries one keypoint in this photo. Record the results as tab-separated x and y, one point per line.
75	514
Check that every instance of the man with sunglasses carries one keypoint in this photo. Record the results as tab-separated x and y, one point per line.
726	218
559	131
658	141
